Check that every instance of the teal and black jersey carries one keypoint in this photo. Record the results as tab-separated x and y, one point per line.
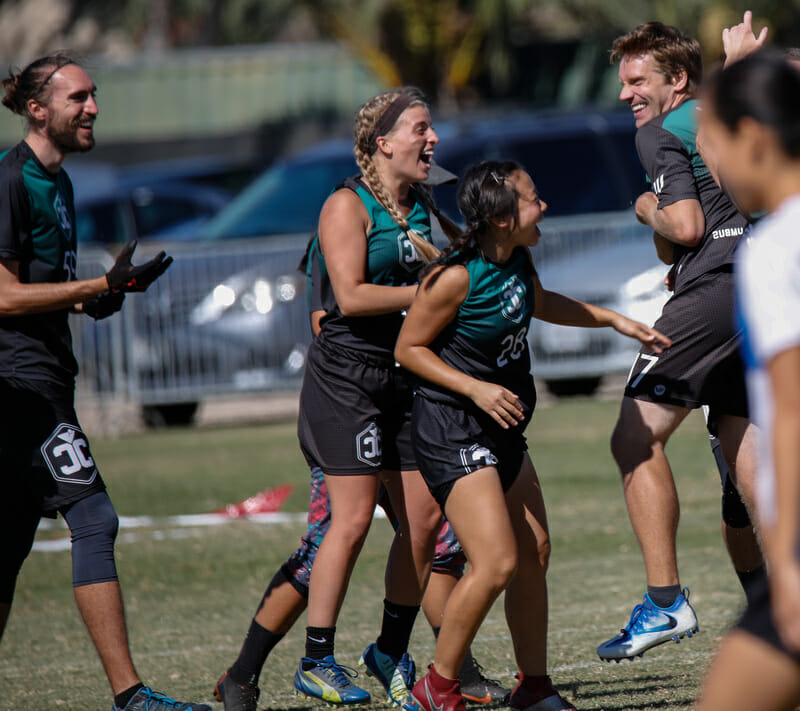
668	152
392	260
37	229
488	338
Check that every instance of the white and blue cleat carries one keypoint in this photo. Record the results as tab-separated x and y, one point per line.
328	681
396	675
650	626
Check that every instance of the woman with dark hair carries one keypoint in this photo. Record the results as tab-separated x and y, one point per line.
465	336
751	115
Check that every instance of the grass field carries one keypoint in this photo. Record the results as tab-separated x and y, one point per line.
190	592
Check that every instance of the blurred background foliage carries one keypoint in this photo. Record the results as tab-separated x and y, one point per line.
459	51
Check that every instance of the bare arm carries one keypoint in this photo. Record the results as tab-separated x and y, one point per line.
557	308
18	299
781	539
343	225
436	305
665	250
740	41
682	222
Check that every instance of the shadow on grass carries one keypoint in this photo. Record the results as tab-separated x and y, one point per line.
636	693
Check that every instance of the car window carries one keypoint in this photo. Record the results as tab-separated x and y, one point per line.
285	199
103	222
154	212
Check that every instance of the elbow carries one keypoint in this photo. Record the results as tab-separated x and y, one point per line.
690	235
347	309
400	353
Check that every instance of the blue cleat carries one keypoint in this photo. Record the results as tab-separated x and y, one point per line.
148	700
396	675
649	626
325	679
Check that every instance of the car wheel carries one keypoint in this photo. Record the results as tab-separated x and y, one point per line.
156	416
574	386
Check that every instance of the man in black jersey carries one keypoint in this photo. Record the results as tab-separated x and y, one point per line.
696	229
46	466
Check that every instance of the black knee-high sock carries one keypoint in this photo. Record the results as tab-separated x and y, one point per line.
750	580
319	642
398	622
257	645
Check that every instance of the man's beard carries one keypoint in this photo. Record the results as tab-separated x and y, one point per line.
65	139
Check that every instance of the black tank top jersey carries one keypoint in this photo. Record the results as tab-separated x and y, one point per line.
488	338
668	152
392	260
37	230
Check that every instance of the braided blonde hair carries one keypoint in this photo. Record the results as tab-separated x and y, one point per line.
366	119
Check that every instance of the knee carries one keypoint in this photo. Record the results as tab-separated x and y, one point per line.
498	570
93	525
631	445
543	549
351	530
734	511
620	444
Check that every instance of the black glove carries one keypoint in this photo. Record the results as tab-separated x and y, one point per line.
103	305
124	276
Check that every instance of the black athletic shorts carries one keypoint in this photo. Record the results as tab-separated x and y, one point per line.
450	442
757	618
355	413
45	460
703	365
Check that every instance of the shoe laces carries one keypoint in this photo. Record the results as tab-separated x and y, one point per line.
637	612
642	614
158	698
478	670
407	669
338	673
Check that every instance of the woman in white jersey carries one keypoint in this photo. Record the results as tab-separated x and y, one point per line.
751	116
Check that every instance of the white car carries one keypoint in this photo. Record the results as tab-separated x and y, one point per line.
625	276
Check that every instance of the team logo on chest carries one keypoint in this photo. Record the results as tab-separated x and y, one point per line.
512	298
62	212
409	257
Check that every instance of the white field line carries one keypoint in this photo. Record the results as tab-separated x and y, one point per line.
164	527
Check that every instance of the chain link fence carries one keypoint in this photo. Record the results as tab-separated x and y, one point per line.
232	318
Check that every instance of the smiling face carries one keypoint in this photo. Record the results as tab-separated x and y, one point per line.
530	209
646	90
70	110
410	144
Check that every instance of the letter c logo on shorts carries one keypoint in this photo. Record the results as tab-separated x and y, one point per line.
368	445
68	457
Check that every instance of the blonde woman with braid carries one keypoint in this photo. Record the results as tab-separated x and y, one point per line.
355	403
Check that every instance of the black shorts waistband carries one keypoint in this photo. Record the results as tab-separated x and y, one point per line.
371	359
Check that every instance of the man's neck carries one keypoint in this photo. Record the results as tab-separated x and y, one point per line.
49	156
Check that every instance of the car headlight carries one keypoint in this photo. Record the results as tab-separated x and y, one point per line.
646	285
257	295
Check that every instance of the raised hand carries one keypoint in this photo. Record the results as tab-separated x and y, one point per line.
124	276
740	41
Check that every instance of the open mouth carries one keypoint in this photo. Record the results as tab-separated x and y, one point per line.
426	157
638	109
